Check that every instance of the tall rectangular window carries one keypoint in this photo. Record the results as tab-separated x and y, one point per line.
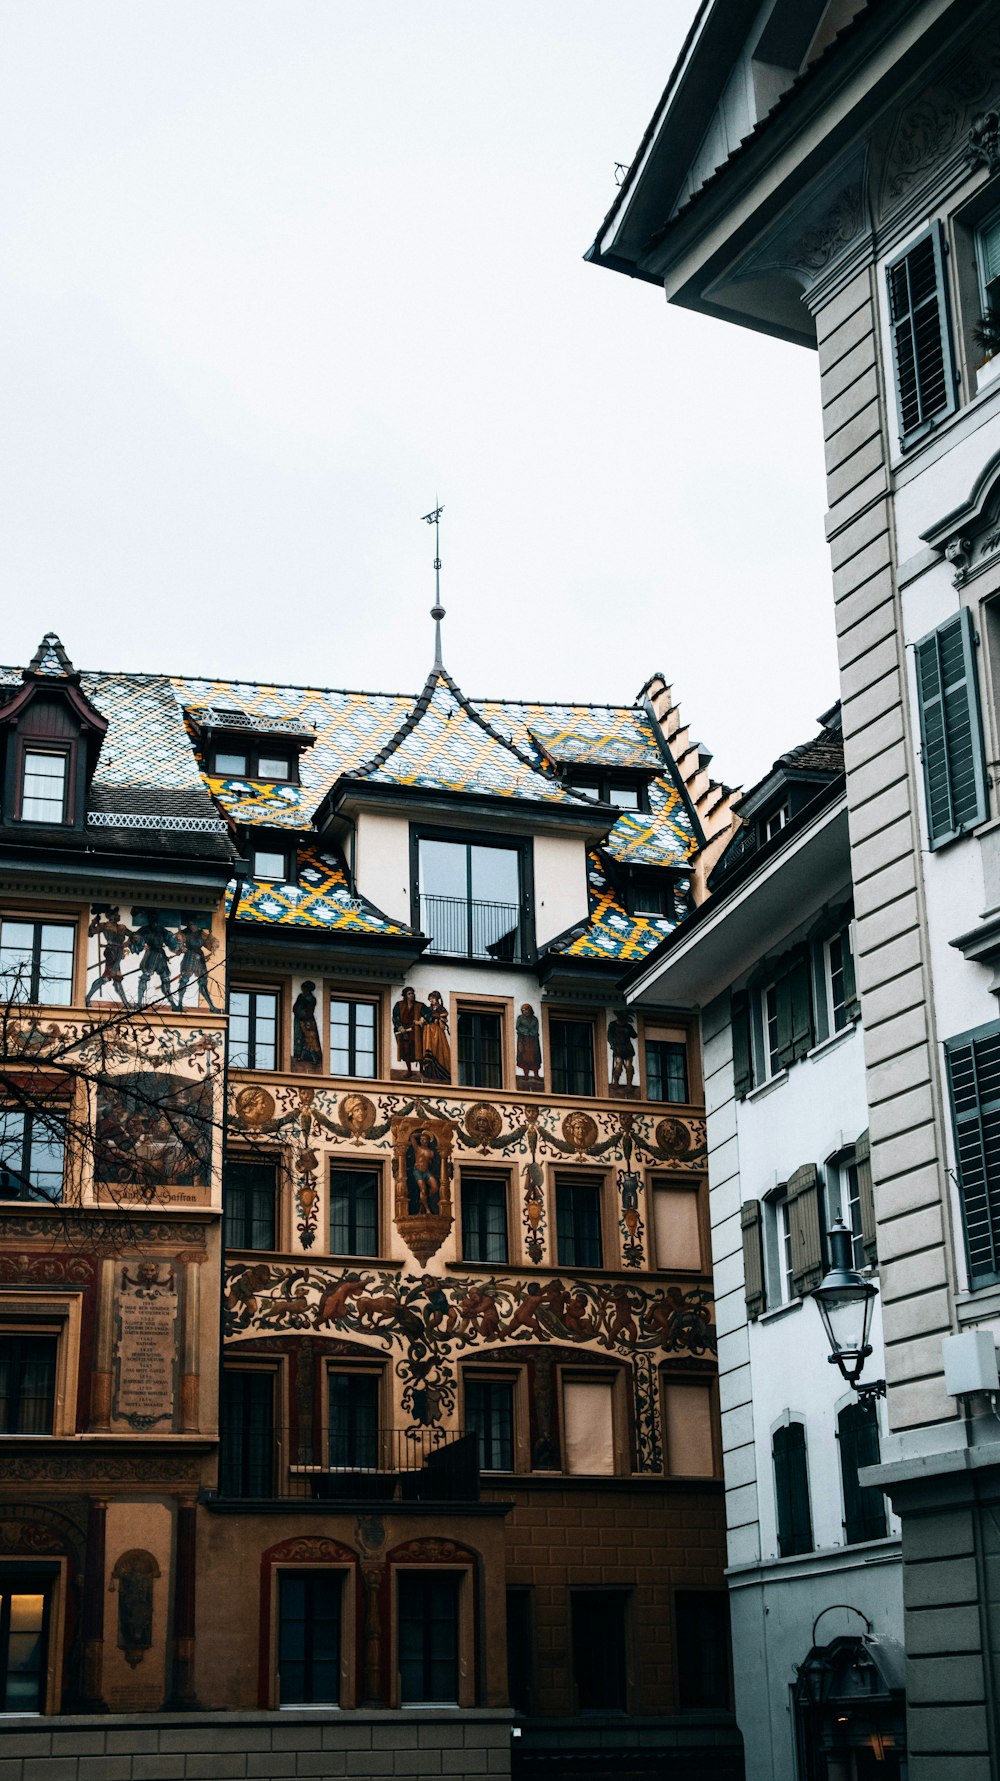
484	1218
921	336
472	899
578	1223
354	1211
27	1384
32	1155
480	1048
489	1415
702	1620
951	741
842	991
791	1489
677	1225
520	1657
666	1070
309	1611
246	1433
44	778
427	1613
36	961
974	1082
24	1624
249	1202
597	1640
353	1048
864	1505
253	1029
589	1427
354	1421
571	1053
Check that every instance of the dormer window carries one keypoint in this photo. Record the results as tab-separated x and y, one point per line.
626	792
772	825
252	763
650	893
50	738
44	784
272	865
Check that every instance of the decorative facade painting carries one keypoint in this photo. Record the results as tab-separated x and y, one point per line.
528	1053
422	1037
307	1050
621	1040
422	1168
153	1131
155	959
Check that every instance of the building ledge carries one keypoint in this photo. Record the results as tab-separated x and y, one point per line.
812	1564
975	1307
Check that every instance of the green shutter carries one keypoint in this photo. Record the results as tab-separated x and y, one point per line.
791	1489
866	1196
951	743
753	1258
974	1087
864	1506
742	1053
921	336
803	1198
800	1004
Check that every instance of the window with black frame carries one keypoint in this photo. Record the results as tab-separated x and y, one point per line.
598	1647
309	1616
571	1056
354	1421
32	1154
666	1069
427	1605
25	1607
36	961
27	1382
44	784
484	1217
354	1196
702	1620
246	1433
353	1037
253	1029
578	1222
249	1205
472	898
489	1415
480	1048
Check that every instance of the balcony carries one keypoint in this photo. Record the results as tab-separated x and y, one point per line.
383	1466
465	928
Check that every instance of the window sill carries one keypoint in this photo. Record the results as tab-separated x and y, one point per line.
973	1307
768	1087
780	1311
835	1039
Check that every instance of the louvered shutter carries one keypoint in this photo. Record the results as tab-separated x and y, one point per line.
921	336
753	1258
803	1201
742	1053
974	1085
784	1052
950	732
864	1506
800	1005
791	1489
866	1197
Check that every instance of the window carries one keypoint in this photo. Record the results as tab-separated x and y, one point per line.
354	1195
864	1506
772	1046
687	1414
783	1014
841	991
651	893
44	776
24	1624
36	962
676	1226
588	1406
249	1200
27	1384
309	1637
354	1421
578	1223
777	1235
480	1048
427	1609
32	1149
597	1635
242	763
702	1621
489	1415
772	825
951	744
844	1191
791	1489
921	339
484	1218
253	1029
246	1430
571	1051
270	865
520	1653
628	793
471	899
988	252
353	1049
666	1069
974	1083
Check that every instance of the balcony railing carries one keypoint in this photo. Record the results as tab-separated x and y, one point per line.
387	1465
468	929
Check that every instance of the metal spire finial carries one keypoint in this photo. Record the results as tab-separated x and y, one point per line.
437	610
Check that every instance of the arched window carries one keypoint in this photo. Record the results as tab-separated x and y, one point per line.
791	1489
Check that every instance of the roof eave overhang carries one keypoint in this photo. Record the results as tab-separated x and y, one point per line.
393	951
101	873
349	797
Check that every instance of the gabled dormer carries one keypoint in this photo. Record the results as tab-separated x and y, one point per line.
52	737
236	744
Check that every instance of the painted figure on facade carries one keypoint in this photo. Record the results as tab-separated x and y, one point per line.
116	940
423	1174
435	1045
621	1038
406	1025
529	1047
156	943
307	1051
195	943
133	1578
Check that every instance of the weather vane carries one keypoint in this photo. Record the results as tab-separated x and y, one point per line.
437	610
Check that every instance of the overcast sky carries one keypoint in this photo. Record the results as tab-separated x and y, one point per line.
278	273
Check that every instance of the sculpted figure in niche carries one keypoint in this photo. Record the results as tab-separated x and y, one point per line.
529	1048
406	1025
115	939
435	1045
423	1174
307	1052
621	1037
133	1578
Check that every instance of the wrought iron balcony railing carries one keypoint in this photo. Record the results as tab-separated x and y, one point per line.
469	929
378	1465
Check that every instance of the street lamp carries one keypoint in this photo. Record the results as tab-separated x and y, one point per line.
846	1302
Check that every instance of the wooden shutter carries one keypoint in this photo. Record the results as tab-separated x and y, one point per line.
753	1258
803	1199
800	1004
864	1506
921	337
791	1489
866	1197
951	743
742	1053
974	1086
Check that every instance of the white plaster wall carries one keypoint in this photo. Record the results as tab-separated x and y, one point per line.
382	862
560	884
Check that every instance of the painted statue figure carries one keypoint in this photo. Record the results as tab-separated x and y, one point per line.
406	1019
435	1045
306	1047
621	1034
195	944
423	1178
115	940
529	1048
155	942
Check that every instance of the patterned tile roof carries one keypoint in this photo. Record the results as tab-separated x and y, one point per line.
611	933
321	899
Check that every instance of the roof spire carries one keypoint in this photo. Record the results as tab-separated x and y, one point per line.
437	610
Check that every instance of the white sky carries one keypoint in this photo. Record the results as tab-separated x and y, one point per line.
276	273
